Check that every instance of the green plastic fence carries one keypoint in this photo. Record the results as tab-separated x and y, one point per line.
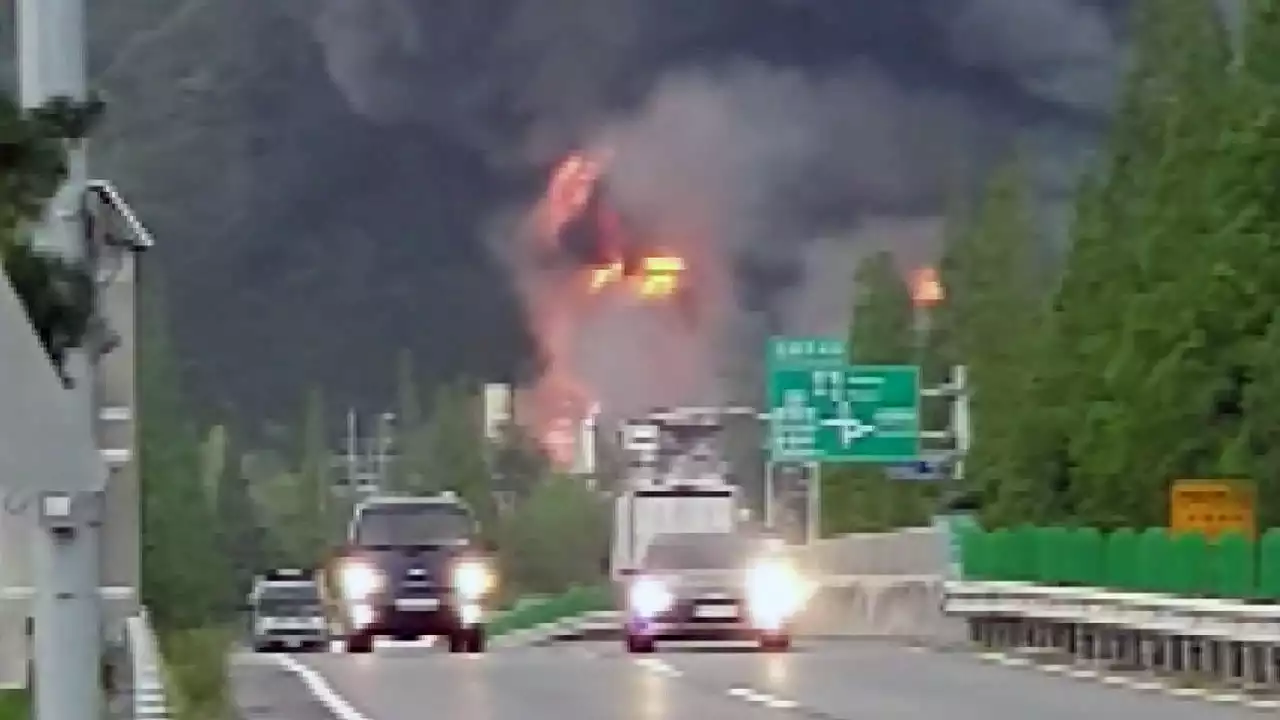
1150	560
532	612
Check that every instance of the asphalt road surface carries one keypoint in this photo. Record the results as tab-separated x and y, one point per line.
597	681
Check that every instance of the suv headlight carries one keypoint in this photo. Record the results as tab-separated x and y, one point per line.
472	579
358	580
648	597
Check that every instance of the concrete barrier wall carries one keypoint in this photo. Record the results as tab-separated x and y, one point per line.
886	585
914	551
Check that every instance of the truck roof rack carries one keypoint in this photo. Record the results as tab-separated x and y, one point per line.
446	496
288	574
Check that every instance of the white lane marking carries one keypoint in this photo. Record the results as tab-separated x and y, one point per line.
1147	685
746	694
759	698
320	689
658	666
1187	692
1142	684
750	695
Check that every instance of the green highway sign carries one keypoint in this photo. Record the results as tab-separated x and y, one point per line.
844	413
795	351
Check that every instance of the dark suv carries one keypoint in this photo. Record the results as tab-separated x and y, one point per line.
412	566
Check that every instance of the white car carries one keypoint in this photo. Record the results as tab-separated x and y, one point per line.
712	586
287	613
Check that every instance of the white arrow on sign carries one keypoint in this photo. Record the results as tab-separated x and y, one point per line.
851	429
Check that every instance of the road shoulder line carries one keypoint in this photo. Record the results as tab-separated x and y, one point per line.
1143	683
320	689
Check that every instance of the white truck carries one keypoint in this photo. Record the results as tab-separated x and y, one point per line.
677	482
641	514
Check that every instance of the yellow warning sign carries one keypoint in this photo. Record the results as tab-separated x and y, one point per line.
1212	507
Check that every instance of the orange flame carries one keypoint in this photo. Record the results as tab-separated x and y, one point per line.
926	288
664	264
659	276
560	398
568	192
602	277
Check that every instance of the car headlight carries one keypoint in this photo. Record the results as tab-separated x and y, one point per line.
472	579
648	597
775	591
359	580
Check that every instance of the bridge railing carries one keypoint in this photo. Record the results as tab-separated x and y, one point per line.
1180	607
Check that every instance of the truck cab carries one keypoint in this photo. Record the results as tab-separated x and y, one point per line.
411	566
285	612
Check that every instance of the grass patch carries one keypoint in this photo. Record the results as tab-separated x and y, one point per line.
537	611
15	705
196	673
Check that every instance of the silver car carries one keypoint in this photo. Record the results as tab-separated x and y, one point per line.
286	613
712	586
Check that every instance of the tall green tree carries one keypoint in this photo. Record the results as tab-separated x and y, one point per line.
1126	312
57	293
883	326
456	456
315	505
213	464
555	539
1242	289
517	462
184	572
275	498
243	534
993	318
883	331
410	422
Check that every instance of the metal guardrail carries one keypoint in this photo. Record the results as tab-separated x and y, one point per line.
148	699
1231	640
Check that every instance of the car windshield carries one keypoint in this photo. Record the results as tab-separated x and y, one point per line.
413	524
286	595
696	552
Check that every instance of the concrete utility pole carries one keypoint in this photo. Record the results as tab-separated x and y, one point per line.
68	620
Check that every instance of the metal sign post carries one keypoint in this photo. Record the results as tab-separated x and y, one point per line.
813	518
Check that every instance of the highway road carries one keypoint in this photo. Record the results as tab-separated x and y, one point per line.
596	681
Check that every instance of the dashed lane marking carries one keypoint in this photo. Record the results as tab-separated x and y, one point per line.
746	694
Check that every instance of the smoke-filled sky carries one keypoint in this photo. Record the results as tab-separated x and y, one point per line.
794	134
522	79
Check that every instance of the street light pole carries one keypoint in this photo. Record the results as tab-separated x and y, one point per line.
385	421
65	555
